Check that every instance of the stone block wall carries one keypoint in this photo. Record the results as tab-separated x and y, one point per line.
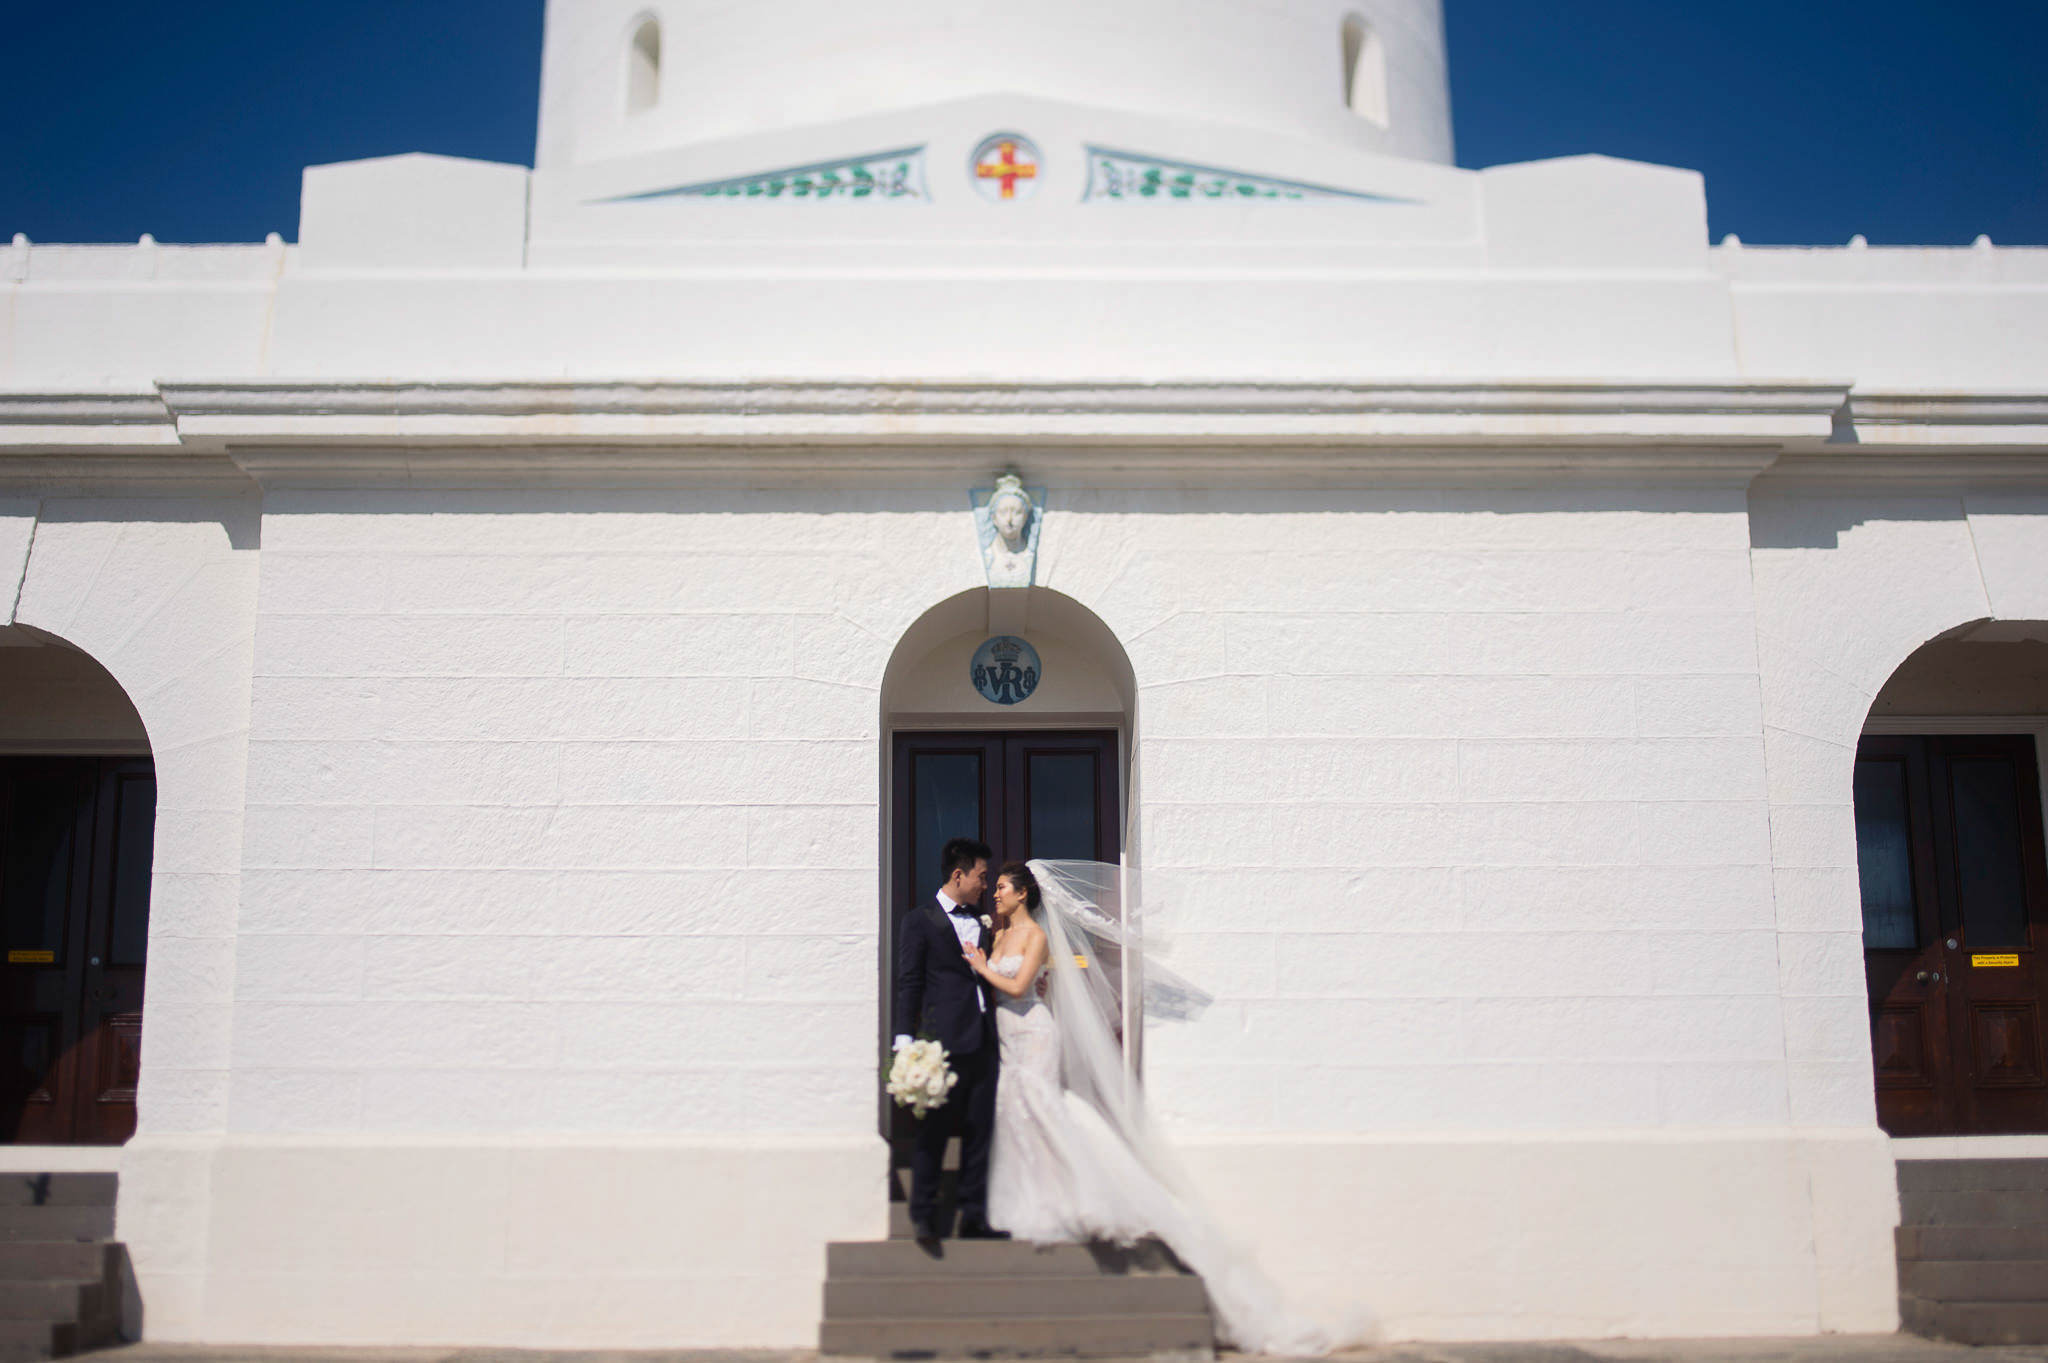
1458	798
1509	827
563	811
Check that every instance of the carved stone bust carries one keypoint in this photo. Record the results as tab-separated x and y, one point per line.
1007	523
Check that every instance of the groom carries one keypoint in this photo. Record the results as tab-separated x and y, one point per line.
938	994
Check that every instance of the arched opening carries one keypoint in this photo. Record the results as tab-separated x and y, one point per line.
1026	748
77	836
1365	71
1954	885
643	66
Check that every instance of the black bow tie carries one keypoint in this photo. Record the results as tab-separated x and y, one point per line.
961	911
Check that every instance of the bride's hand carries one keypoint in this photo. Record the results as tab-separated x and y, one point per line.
977	961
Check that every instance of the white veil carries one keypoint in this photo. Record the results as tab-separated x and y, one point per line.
1095	941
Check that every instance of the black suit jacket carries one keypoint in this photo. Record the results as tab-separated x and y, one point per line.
937	992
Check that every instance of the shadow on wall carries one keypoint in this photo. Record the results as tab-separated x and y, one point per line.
1791	520
240	515
1987	667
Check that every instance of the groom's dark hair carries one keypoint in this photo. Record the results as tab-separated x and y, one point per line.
960	854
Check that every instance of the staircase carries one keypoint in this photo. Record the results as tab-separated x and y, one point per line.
895	1298
62	1276
1973	1250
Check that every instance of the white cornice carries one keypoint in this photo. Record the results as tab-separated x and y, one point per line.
796	413
1946	438
1920	419
551	431
1215	431
123	420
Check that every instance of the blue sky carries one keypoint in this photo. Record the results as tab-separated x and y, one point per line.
1812	119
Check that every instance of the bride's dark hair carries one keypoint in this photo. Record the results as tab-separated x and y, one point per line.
1019	875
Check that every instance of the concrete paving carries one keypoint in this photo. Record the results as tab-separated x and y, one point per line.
1822	1349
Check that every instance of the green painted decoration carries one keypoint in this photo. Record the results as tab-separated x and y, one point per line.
1127	176
887	175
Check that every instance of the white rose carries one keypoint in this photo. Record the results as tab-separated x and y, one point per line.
987	922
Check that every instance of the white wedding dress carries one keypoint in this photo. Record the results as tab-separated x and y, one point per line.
1060	1173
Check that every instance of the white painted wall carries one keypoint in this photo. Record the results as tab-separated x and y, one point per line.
562	805
162	594
1574	270
1478	775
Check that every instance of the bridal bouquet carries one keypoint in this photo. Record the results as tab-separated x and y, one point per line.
919	1077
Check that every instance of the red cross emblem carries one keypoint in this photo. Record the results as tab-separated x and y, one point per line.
1002	163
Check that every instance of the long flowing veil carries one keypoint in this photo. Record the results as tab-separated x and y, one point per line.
1096	943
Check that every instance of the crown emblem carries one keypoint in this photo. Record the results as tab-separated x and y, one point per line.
1005	670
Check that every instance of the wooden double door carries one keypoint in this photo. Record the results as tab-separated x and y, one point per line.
76	839
1054	795
1955	932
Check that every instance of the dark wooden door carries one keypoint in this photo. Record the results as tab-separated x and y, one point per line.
1026	794
1955	932
76	835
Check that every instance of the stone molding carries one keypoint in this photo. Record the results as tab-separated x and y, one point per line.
125	420
557	430
1948	418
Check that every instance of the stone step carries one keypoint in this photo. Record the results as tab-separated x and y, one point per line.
1971	1242
1000	1337
1998	1322
957	1259
1974	1207
58	1190
22	1340
1973	1174
1029	1298
22	1223
53	1301
1983	1280
46	1260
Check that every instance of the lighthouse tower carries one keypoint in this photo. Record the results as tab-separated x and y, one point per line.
623	78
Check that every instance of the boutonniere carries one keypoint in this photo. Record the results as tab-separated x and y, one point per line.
987	922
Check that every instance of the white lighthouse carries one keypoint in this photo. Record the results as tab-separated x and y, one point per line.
625	77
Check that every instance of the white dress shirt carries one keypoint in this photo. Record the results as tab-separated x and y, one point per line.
967	927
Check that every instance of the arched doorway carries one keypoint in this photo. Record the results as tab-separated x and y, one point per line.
77	832
1043	774
1954	884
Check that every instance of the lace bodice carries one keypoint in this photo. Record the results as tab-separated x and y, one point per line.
1009	967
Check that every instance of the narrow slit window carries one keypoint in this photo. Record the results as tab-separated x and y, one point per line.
1365	70
643	67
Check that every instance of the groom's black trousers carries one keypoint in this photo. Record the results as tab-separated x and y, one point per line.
970	1113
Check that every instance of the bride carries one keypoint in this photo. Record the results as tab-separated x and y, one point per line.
1074	1159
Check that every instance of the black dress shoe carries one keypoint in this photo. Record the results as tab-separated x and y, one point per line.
982	1230
925	1233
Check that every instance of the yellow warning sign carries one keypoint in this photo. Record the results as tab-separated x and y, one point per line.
2007	962
31	958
